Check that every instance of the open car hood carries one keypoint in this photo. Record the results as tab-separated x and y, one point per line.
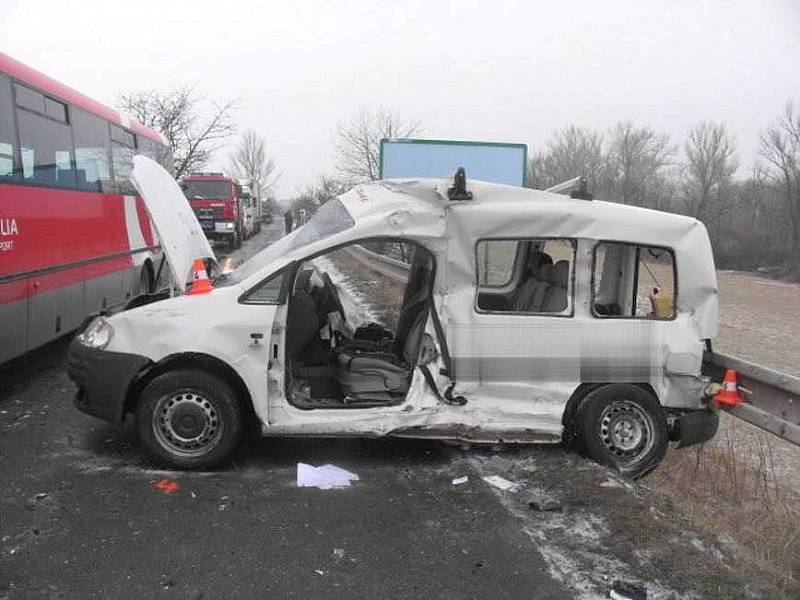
180	233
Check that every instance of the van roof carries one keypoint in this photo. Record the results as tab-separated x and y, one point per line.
496	206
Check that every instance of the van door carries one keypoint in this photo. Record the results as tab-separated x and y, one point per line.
513	334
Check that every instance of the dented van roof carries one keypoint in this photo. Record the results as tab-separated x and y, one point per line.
419	209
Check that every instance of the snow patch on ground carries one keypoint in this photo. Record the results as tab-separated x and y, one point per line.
355	304
576	547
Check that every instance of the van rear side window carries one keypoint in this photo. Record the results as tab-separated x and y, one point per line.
632	281
525	276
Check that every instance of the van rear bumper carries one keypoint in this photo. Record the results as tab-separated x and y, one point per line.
103	379
694	427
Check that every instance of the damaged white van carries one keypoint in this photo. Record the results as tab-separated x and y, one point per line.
450	309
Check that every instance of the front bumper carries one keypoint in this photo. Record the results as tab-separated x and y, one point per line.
695	427
103	379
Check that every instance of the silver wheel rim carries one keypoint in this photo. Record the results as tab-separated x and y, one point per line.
626	430
187	424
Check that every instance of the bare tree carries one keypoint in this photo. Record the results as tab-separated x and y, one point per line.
575	151
251	163
176	114
357	141
711	163
636	155
780	148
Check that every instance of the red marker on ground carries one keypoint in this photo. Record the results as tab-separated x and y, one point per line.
167	486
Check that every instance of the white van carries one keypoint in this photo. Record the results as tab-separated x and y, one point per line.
511	315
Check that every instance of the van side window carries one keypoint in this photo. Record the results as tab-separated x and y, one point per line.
267	292
496	260
531	276
632	281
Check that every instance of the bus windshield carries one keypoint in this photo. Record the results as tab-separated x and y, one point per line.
212	190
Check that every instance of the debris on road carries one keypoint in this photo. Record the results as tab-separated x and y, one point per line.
545	505
38	500
622	590
460	480
166	486
504	484
326	477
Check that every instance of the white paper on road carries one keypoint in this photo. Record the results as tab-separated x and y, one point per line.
502	483
460	480
326	477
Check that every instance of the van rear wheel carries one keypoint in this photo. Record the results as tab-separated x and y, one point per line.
189	419
623	426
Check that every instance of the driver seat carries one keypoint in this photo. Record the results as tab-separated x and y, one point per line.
383	374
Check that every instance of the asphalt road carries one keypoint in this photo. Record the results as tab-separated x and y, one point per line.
84	515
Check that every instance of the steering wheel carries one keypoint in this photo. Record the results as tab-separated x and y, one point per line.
333	295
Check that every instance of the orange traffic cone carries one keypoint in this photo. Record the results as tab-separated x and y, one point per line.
201	284
729	394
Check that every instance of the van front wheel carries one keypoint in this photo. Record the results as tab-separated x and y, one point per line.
623	426
189	419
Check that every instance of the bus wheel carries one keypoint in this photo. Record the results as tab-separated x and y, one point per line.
146	279
623	426
189	419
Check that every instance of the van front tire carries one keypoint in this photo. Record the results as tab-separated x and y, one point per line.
189	420
623	426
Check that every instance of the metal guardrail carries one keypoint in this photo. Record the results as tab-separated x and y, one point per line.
395	270
773	398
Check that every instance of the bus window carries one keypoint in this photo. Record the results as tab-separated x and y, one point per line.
157	152
27	98
92	147
46	151
6	130
123	147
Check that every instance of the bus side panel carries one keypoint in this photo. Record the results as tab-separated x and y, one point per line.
13	319
59	302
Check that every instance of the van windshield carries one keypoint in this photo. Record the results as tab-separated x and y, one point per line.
331	218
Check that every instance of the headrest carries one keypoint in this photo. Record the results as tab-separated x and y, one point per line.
536	260
544	272
559	274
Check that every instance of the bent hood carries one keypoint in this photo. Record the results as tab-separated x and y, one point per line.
181	236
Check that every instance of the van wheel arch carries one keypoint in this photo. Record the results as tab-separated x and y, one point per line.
192	360
570	437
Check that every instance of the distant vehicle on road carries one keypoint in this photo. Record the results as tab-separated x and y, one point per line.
74	237
217	201
251	211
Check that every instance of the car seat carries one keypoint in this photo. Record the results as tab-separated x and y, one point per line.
382	371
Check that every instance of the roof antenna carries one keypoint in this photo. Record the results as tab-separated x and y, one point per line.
459	189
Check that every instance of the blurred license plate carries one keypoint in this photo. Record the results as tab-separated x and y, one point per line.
207	223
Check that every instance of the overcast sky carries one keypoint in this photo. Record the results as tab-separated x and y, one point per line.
492	70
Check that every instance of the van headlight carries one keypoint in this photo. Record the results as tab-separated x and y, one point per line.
97	335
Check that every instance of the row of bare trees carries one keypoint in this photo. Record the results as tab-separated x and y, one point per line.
195	129
754	220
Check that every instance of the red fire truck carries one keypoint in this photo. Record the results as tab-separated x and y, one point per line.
74	237
217	202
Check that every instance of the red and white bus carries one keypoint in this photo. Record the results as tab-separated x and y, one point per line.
74	237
